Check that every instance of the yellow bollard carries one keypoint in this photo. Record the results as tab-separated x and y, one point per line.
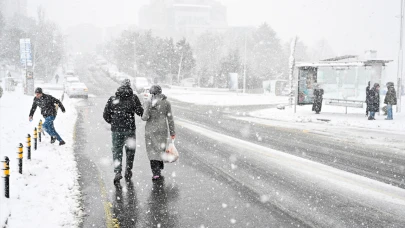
20	158
6	177
40	129
29	146
35	139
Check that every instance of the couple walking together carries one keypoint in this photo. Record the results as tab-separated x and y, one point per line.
120	112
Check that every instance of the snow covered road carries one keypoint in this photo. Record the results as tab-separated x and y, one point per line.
238	173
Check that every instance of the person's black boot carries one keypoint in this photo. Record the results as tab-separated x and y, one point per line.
62	143
128	175
117	178
53	139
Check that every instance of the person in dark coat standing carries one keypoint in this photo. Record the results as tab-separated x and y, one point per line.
48	110
373	102
367	98
318	97
120	112
390	99
159	125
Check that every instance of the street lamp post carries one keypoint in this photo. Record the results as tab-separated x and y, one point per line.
400	58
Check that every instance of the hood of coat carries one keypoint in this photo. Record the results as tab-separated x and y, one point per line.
124	92
157	98
390	84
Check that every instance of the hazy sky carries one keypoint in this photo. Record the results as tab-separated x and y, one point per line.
350	26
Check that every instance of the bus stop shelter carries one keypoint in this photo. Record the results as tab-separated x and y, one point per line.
344	81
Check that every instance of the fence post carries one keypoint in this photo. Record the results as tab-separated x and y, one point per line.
6	177
35	138
20	158
29	146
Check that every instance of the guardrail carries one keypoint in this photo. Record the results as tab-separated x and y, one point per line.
344	103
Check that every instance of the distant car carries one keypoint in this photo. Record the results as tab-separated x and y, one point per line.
139	83
78	89
121	76
70	72
68	81
188	82
145	93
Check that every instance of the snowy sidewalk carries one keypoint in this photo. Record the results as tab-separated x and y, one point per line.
47	193
335	116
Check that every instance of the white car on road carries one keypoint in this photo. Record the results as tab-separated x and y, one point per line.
78	89
68	81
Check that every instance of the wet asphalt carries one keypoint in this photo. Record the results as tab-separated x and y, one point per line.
204	189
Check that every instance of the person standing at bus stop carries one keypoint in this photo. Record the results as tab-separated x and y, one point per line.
373	101
390	99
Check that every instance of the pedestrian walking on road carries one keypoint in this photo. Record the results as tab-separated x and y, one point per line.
318	97
390	99
47	104
373	101
56	78
120	112
159	125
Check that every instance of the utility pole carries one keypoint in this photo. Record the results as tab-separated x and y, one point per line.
292	65
244	69
181	60
400	58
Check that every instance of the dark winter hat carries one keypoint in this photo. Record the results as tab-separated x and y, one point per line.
376	85
126	82
155	89
390	84
38	90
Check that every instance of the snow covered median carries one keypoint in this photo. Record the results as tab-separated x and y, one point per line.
207	97
47	193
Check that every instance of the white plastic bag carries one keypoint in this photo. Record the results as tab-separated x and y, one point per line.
171	154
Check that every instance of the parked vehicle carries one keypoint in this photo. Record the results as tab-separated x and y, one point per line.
188	82
139	83
121	76
77	89
68	81
70	72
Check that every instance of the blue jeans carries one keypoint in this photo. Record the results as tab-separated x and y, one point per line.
372	115
389	112
50	129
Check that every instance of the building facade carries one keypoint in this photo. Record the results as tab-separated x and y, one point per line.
183	18
12	8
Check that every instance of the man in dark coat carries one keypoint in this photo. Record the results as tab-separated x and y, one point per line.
318	97
390	99
367	97
373	101
120	112
47	104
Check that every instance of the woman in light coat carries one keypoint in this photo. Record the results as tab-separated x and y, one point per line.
159	125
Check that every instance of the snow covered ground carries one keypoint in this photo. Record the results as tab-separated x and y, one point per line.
332	121
47	193
335	116
213	97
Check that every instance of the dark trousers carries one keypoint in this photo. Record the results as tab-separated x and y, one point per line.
156	167
119	140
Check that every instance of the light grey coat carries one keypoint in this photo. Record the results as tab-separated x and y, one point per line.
159	125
